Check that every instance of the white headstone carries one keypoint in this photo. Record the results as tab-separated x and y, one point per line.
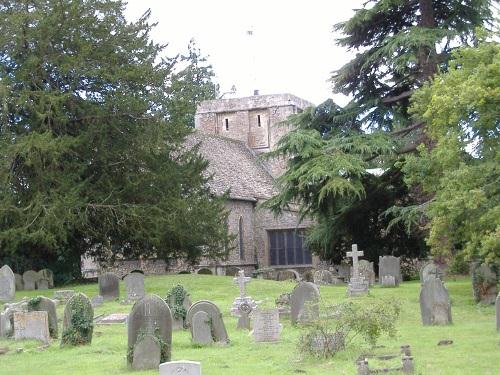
180	368
266	326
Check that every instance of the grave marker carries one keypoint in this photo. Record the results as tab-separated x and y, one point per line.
435	306
219	332
180	368
30	279
202	333
266	327
7	284
389	265
31	325
134	286
243	305
78	321
109	286
358	285
46	304
304	302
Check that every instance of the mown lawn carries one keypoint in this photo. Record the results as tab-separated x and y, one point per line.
475	348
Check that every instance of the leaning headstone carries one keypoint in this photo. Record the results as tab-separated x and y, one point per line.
497	305
78	320
266	326
430	269
219	332
202	333
367	271
134	286
304	302
19	282
180	368
358	285
323	277
32	325
109	286
29	279
45	304
389	265
149	317
243	305
7	284
63	296
388	281
435	306
147	353
48	275
179	302
484	283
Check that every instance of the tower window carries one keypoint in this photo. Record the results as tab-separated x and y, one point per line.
227	124
258	121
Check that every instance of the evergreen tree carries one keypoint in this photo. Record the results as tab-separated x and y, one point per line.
89	160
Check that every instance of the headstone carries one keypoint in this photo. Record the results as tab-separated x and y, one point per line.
180	368
219	332
109	286
46	304
179	302
78	324
266	326
202	333
134	286
304	302
19	282
358	285
323	277
388	281
390	265
42	284
29	279
435	306
147	353
97	301
7	284
484	283
32	325
63	295
367	271
497	305
48	275
343	271
430	269
243	305
8	315
5	325
283	304
150	316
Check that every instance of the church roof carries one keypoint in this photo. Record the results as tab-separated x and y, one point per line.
235	167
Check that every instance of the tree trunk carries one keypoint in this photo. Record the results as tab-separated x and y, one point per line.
427	55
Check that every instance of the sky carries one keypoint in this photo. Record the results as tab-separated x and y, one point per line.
291	49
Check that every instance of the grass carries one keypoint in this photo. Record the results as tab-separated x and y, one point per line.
475	348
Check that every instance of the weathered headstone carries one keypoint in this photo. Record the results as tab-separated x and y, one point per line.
150	317
48	275
29	279
78	320
304	302
5	325
435	306
63	295
109	286
367	271
147	353
219	332
7	284
134	286
323	277
243	305
8	315
343	271
180	368
46	304
283	304
358	285
19	282
389	265
484	283
42	284
32	325
202	333
179	302
388	281
266	326
430	269
97	301
497	305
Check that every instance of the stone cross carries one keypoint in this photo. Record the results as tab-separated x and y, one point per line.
241	280
354	254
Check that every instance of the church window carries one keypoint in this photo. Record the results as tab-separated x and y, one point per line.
240	238
227	124
258	121
286	247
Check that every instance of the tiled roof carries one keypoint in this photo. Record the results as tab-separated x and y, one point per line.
234	166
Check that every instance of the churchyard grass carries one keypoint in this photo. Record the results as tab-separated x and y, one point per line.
475	348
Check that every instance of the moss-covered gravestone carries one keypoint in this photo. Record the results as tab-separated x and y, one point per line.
484	283
179	302
78	322
45	304
149	333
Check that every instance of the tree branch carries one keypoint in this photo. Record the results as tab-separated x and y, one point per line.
393	99
408	129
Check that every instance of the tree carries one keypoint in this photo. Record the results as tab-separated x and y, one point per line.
89	160
400	45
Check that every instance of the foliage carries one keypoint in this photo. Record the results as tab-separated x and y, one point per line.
410	268
462	170
92	128
79	332
33	303
344	322
175	300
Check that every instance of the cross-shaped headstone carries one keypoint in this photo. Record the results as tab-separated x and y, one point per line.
354	254
241	280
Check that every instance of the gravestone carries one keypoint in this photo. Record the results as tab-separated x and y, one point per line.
430	269
5	325
147	353
31	325
150	317
497	306
78	321
358	285
367	271
134	286
435	306
388	281
180	368
97	301
7	284
116	318
283	304
219	332
8	315
323	277
42	284
48	275
202	333
19	282
179	302
46	304
484	283
266	326
63	295
389	265
343	271
243	305
304	302
109	286
29	280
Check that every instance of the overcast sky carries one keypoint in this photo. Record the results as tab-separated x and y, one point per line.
291	50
